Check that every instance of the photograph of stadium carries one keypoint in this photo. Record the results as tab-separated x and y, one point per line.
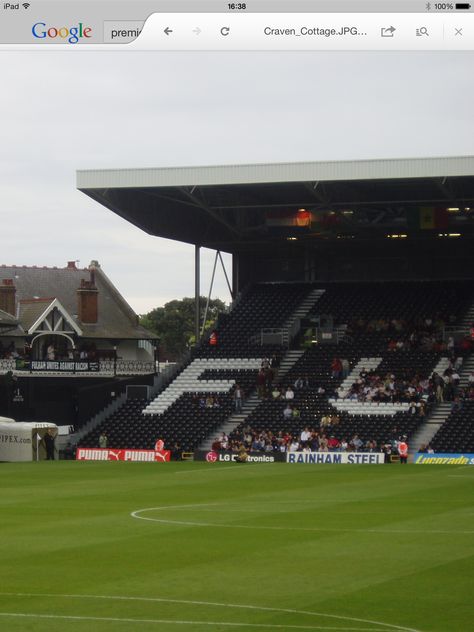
236	340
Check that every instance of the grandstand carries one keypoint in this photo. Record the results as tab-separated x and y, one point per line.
370	261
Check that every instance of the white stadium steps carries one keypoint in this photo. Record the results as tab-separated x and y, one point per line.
188	381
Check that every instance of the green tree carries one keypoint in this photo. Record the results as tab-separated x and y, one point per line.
174	324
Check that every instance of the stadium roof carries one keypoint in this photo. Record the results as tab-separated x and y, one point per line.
230	207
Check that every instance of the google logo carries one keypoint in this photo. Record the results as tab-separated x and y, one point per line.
72	34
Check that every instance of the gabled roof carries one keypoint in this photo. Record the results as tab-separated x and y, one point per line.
7	320
31	309
37	288
38	310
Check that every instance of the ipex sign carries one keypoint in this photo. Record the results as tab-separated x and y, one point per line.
346	458
422	458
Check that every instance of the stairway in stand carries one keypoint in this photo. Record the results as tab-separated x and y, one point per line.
300	312
433	423
467	369
250	404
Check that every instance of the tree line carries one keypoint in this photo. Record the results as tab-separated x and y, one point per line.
174	324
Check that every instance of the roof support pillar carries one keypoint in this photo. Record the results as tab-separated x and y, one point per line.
197	291
235	275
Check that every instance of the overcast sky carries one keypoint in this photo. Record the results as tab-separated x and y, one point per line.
60	112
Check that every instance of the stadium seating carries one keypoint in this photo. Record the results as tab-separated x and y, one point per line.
457	432
371	421
176	415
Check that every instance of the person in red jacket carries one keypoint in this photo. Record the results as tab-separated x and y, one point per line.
403	450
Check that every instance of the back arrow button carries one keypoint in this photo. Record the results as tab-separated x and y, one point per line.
168	30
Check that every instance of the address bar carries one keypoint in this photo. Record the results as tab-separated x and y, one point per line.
306	31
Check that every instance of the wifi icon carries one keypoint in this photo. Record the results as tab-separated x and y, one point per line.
26	5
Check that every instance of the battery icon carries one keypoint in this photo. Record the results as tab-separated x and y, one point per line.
463	5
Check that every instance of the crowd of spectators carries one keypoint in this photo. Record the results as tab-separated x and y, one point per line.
424	334
207	401
310	439
9	352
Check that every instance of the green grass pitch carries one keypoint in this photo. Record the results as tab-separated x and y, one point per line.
229	547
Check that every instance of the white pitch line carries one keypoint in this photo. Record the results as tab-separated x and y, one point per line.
187	523
182	622
217	605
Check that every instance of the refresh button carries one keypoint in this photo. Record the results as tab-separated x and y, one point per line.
225	30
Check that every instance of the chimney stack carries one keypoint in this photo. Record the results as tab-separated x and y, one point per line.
7	296
71	265
88	301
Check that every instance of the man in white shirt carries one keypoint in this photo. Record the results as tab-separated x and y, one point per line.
305	435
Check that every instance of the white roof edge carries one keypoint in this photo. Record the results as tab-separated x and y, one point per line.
25	425
420	167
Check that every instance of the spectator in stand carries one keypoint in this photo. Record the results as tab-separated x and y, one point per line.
325	421
314	442
224	441
333	444
450	345
305	435
294	446
103	440
456	378
439	387
238	397
289	394
345	367
323	443
276	392
288	412
261	383
356	442
336	368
